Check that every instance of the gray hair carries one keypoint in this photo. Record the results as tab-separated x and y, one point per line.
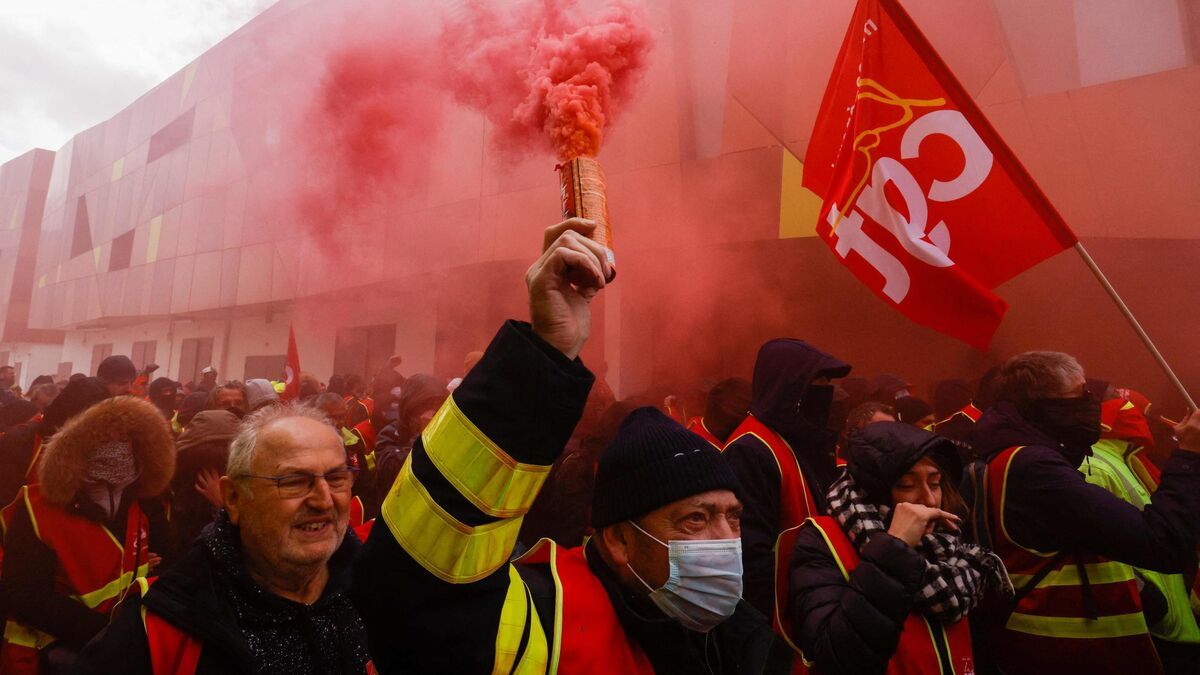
1032	376
244	445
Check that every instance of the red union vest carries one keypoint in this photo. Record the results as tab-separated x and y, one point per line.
795	499
357	512
592	640
696	426
926	645
94	568
366	432
1083	615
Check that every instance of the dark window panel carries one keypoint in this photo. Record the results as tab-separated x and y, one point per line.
174	135
122	252
144	353
266	367
195	355
82	241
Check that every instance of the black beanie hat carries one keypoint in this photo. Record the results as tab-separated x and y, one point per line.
652	462
115	368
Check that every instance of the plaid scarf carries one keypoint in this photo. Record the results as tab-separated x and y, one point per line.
957	573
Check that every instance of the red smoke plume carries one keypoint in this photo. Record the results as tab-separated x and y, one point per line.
545	69
366	135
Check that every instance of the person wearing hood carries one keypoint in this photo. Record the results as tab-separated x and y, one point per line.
657	590
203	450
118	373
20	447
783	453
884	583
727	405
163	393
99	483
1070	546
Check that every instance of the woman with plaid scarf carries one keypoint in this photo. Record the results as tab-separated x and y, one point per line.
883	583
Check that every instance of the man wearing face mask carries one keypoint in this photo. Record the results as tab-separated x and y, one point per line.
656	591
783	455
1069	545
82	533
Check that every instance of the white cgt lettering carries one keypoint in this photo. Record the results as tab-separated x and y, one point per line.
977	156
849	237
932	247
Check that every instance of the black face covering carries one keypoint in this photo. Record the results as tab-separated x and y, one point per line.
1073	422
815	403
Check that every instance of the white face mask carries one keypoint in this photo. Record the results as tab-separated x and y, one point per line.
705	581
107	497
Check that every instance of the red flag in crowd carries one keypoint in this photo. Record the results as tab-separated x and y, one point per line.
922	199
291	389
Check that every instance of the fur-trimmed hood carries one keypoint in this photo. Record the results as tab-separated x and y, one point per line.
63	464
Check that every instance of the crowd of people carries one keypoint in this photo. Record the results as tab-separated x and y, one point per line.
521	519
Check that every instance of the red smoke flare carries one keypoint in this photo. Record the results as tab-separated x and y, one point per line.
545	69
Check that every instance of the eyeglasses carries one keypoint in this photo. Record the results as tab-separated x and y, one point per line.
300	484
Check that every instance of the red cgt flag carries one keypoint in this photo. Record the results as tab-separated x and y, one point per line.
922	199
291	389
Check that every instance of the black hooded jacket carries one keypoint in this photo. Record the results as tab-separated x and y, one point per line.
783	373
1050	507
854	626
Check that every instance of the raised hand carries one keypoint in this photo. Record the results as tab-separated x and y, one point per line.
562	283
910	521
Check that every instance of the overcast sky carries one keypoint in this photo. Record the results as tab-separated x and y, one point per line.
66	65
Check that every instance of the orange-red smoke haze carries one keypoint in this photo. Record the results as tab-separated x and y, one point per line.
546	68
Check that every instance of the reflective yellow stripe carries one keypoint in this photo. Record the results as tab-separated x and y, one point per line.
110	590
143	588
29	507
446	548
23	636
1119	625
493	481
1110	572
537	651
348	437
517	610
370	456
556	649
513	615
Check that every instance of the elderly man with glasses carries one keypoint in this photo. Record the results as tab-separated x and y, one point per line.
263	590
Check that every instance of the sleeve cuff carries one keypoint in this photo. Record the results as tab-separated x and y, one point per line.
895	558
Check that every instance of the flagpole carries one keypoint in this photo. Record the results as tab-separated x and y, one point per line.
1137	327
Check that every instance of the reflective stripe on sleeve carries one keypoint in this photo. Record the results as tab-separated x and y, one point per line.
445	547
487	476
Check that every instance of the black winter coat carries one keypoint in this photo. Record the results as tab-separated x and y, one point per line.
851	626
1050	507
782	373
